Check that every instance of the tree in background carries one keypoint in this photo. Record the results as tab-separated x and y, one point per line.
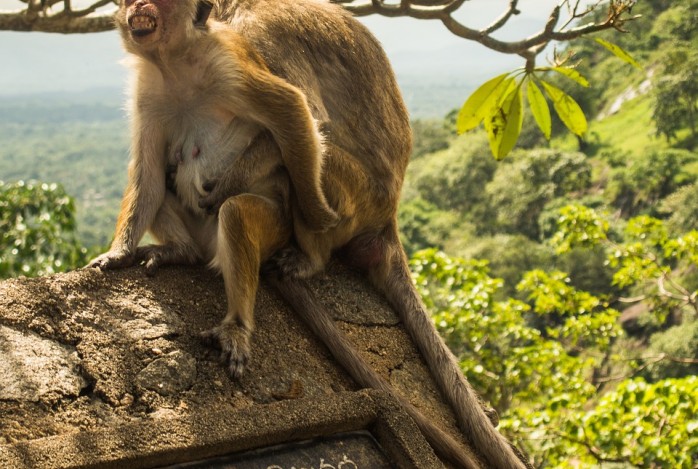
676	93
37	230
549	361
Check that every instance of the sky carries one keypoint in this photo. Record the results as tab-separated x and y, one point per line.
39	62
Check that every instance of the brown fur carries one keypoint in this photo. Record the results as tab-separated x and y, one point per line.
201	99
353	94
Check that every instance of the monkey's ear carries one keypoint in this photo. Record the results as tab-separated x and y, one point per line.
202	12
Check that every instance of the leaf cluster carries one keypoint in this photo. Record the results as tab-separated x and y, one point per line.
499	104
538	379
37	230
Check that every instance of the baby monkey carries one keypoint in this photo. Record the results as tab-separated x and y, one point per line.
241	103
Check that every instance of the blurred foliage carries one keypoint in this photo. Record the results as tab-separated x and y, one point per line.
540	363
522	186
673	353
458	181
434	135
423	225
648	261
639	424
37	230
639	186
676	97
682	208
508	256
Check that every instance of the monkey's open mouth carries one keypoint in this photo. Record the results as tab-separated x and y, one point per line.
142	24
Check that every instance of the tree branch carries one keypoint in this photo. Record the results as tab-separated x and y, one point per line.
528	48
39	15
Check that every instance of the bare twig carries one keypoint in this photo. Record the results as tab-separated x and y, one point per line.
684	296
595	452
648	361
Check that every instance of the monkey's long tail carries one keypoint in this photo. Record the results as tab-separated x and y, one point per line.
396	284
297	293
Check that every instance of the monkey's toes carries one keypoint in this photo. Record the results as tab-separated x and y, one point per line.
233	342
289	263
151	257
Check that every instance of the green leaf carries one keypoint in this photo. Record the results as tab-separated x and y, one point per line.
570	73
539	108
503	125
618	52
480	102
567	108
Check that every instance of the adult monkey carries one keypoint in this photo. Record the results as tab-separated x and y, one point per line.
351	89
203	94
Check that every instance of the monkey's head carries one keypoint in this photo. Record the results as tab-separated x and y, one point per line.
147	25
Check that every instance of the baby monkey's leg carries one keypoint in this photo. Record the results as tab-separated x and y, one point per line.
250	228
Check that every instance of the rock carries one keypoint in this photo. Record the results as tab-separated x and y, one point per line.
169	375
34	368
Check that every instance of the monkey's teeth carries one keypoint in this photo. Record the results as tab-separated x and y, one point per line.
142	23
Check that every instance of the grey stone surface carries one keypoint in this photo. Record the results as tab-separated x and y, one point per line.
169	375
110	367
32	368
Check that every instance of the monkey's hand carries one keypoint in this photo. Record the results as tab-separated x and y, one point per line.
154	256
216	194
113	259
233	341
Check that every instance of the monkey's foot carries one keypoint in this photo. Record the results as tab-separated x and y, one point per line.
233	341
291	263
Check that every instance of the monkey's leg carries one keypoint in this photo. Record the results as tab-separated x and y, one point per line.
250	229
171	230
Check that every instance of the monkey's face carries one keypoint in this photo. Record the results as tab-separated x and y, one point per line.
146	24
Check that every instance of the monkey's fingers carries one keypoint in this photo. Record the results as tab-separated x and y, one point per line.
211	203
154	256
114	259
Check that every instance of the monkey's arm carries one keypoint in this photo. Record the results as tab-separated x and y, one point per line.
283	109
145	193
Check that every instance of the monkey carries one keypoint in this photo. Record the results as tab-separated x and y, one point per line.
202	99
292	110
352	91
